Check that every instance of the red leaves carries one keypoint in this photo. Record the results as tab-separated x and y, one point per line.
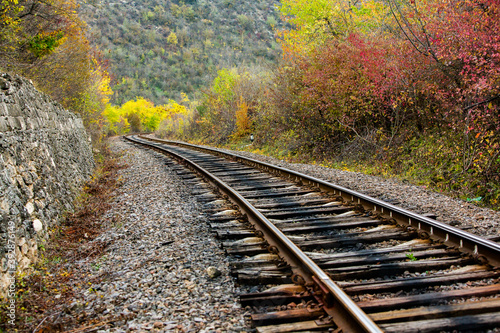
432	65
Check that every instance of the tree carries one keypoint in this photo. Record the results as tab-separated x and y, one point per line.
33	29
172	38
45	40
315	22
140	115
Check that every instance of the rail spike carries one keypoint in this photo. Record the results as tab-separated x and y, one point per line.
423	235
298	280
481	259
273	249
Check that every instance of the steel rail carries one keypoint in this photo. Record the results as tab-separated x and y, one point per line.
346	313
482	249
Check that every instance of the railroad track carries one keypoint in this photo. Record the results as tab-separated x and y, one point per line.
337	260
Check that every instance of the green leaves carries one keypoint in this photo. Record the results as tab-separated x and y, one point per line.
44	44
223	85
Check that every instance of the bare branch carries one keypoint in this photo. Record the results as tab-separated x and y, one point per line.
355	132
482	102
403	30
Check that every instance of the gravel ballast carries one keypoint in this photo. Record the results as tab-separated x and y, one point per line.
461	214
155	270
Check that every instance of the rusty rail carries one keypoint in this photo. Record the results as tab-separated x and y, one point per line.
482	249
336	303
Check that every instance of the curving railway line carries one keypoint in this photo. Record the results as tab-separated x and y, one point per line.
323	258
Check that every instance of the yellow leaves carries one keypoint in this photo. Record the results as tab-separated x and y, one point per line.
104	89
10	23
174	108
172	38
223	85
242	119
184	97
141	114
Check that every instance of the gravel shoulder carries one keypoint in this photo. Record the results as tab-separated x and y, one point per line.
154	271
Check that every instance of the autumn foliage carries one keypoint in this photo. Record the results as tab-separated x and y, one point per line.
226	111
140	115
412	84
407	70
46	41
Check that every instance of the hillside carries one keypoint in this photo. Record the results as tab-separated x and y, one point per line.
160	48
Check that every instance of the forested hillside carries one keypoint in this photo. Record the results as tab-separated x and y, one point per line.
158	49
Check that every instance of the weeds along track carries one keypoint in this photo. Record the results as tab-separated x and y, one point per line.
314	256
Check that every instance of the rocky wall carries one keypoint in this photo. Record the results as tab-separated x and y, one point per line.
45	156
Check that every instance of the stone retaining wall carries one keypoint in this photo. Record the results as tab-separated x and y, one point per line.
45	155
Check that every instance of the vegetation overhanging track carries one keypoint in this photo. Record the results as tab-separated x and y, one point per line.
279	216
341	305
